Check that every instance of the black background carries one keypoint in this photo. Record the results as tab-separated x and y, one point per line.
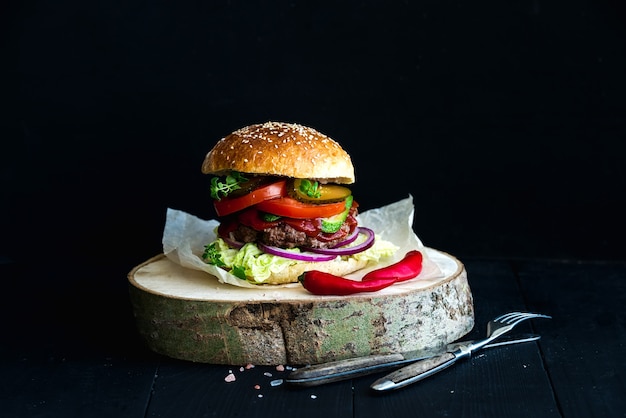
504	120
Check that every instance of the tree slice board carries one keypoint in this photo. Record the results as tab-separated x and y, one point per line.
187	314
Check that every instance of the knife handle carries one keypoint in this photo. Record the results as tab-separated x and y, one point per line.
334	371
415	372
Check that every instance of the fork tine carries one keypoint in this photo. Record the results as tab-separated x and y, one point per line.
518	316
535	315
506	316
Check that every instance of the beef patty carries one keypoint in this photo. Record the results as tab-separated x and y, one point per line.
284	236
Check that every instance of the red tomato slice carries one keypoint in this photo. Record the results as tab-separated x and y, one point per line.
292	208
252	219
226	205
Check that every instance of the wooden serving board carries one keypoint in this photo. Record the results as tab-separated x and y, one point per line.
187	314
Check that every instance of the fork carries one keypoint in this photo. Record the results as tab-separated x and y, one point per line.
505	323
424	368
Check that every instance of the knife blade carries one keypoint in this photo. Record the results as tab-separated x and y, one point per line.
339	370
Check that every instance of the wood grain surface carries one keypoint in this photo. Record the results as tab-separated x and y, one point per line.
189	315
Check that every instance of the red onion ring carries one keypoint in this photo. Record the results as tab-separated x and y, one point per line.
233	243
305	256
349	239
315	254
369	241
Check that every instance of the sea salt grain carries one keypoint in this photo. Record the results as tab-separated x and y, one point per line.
230	378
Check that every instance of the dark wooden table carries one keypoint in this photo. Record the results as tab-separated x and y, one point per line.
69	348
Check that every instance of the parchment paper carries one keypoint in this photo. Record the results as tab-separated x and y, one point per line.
185	236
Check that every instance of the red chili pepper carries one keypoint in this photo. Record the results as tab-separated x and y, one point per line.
407	268
320	283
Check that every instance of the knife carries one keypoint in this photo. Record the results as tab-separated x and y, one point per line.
336	371
423	368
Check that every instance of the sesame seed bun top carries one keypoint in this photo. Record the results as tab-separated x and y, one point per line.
281	149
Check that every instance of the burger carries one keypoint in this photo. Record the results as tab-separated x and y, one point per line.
280	192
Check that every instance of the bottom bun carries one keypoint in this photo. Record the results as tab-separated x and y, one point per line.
338	267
